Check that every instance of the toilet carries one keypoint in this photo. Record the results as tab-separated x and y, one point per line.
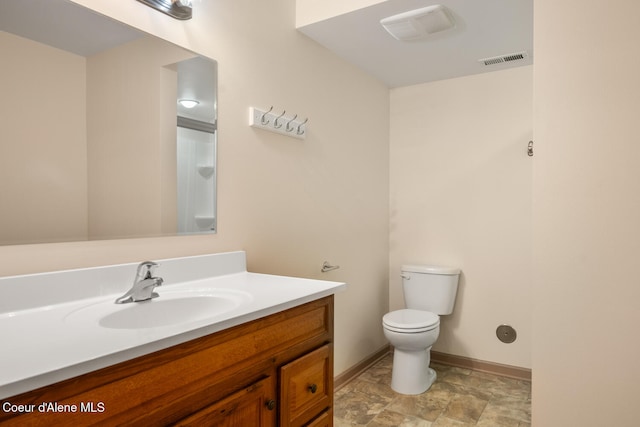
429	292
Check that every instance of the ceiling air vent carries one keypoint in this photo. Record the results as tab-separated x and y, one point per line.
504	58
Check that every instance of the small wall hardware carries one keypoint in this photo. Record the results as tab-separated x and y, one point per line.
328	267
506	334
530	149
277	122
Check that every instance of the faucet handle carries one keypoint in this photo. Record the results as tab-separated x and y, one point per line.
145	270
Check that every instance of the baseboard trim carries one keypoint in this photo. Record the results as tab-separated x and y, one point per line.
482	366
509	371
341	380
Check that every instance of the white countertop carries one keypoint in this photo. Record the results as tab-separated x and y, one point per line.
42	345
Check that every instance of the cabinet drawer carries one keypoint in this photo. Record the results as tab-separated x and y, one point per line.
306	386
324	420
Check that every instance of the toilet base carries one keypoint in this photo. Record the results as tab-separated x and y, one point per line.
411	373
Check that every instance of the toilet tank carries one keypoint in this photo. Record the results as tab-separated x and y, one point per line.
430	288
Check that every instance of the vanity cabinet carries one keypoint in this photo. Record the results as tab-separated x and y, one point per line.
273	371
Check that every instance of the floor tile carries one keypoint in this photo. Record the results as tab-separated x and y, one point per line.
459	398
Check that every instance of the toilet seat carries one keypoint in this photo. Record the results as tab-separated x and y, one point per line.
410	321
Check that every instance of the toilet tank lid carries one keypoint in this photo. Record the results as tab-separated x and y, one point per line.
430	269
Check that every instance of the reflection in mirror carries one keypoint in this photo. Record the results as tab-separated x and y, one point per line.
196	145
89	147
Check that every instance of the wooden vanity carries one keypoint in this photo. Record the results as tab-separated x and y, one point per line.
272	371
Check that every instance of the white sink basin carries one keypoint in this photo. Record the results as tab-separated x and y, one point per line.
171	308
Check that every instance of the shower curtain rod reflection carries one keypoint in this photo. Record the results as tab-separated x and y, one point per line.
185	122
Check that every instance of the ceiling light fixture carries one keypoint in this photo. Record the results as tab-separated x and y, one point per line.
179	9
188	103
419	23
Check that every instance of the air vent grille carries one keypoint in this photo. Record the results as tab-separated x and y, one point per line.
504	58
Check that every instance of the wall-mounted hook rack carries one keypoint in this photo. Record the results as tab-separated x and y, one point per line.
278	122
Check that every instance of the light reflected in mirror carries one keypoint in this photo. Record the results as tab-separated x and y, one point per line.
93	141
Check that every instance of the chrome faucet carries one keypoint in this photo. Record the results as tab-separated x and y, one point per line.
143	285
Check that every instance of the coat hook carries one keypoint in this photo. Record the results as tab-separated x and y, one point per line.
264	116
275	122
300	131
530	149
289	127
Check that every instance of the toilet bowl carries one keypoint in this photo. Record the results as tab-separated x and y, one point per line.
411	333
429	292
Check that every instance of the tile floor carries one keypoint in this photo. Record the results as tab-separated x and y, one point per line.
459	397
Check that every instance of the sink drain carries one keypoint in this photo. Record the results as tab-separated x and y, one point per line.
506	334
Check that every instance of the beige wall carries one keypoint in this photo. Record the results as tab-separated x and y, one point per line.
33	124
586	210
84	139
131	138
290	204
461	196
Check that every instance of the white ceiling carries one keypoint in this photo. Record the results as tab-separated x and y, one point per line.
484	28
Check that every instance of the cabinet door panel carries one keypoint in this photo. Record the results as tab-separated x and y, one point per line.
247	407
306	387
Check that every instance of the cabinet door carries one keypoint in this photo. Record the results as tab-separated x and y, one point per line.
306	387
251	406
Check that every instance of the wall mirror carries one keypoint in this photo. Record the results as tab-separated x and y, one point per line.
105	132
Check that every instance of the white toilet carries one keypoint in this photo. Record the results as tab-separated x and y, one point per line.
429	291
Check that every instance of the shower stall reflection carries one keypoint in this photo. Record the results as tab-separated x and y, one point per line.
196	158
